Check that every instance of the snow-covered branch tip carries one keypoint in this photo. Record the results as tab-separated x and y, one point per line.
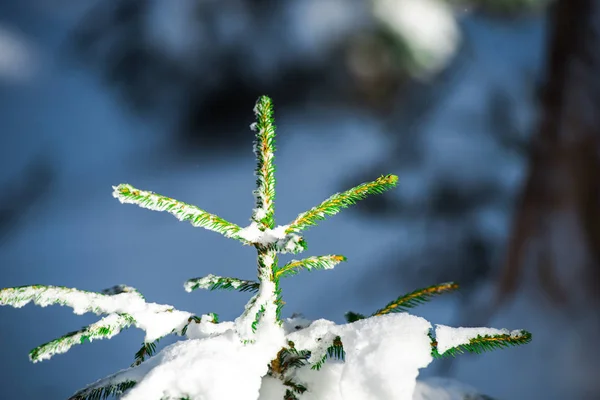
213	282
123	305
450	341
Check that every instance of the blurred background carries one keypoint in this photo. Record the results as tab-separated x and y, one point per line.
487	110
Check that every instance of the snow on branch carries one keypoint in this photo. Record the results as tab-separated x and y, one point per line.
452	341
335	203
213	282
155	319
184	212
274	239
106	328
103	392
332	348
309	263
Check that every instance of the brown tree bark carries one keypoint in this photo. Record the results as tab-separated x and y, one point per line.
563	183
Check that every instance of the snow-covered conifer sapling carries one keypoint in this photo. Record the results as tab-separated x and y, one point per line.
260	355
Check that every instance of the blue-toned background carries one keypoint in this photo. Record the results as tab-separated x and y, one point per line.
160	94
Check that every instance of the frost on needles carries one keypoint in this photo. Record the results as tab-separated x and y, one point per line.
260	355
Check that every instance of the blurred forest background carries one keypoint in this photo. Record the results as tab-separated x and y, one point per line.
487	110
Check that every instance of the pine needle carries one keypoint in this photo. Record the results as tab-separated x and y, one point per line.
335	351
413	299
310	263
45	295
104	329
147	350
103	392
213	282
126	193
484	343
335	203
264	149
351	316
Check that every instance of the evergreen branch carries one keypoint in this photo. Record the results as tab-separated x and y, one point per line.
353	317
336	351
335	203
118	289
257	317
213	282
483	343
291	243
413	299
81	301
434	346
193	318
212	318
103	392
310	263
296	387
147	350
126	193
288	357
150	317
290	395
264	149
106	328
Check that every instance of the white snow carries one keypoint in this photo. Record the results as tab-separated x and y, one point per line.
383	358
383	355
253	234
156	320
219	367
285	243
427	27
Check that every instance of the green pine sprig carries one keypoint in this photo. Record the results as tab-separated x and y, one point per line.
309	263
413	299
106	328
335	351
103	392
126	193
407	301
213	282
146	351
264	149
296	387
483	343
257	317
351	316
335	203
288	357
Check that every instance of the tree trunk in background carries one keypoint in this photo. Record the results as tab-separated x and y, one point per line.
556	226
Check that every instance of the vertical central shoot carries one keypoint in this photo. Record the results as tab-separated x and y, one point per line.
264	194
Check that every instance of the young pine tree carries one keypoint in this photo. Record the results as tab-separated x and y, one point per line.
260	355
